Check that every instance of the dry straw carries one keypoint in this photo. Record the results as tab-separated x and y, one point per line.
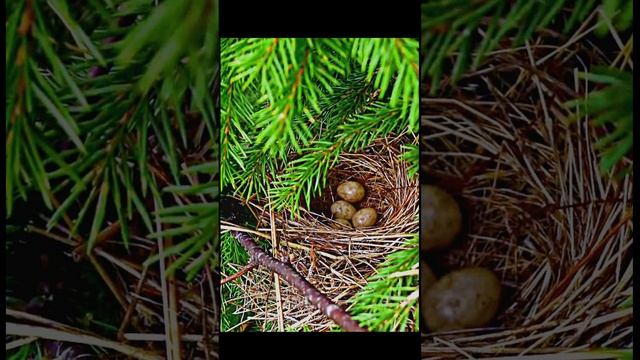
556	231
141	291
335	259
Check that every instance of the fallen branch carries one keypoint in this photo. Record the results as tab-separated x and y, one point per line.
315	297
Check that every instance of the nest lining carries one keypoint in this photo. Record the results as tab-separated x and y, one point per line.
539	213
335	259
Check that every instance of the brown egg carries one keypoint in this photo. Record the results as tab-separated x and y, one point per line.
427	277
342	210
441	219
463	299
364	217
351	191
343	222
427	280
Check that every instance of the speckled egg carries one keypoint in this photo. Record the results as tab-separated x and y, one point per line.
364	218
342	210
351	191
441	218
463	299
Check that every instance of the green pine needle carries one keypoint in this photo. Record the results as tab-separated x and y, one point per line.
103	115
610	107
464	32
389	300
290	107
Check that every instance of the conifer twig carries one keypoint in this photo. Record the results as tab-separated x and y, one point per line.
319	300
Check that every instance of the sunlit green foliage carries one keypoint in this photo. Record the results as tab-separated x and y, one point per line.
110	116
291	106
385	303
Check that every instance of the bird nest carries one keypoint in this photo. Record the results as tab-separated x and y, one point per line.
538	211
335	259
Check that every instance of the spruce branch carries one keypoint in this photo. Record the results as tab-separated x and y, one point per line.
305	176
610	106
311	294
394	63
388	301
412	156
284	97
466	31
115	108
195	220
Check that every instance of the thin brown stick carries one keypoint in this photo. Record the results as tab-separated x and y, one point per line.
276	278
107	234
213	292
241	272
43	232
112	286
132	304
319	300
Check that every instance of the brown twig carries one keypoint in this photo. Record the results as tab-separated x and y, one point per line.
117	293
205	332
319	300
241	272
132	304
107	234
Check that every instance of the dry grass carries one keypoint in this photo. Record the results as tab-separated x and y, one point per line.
556	231
141	291
335	259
